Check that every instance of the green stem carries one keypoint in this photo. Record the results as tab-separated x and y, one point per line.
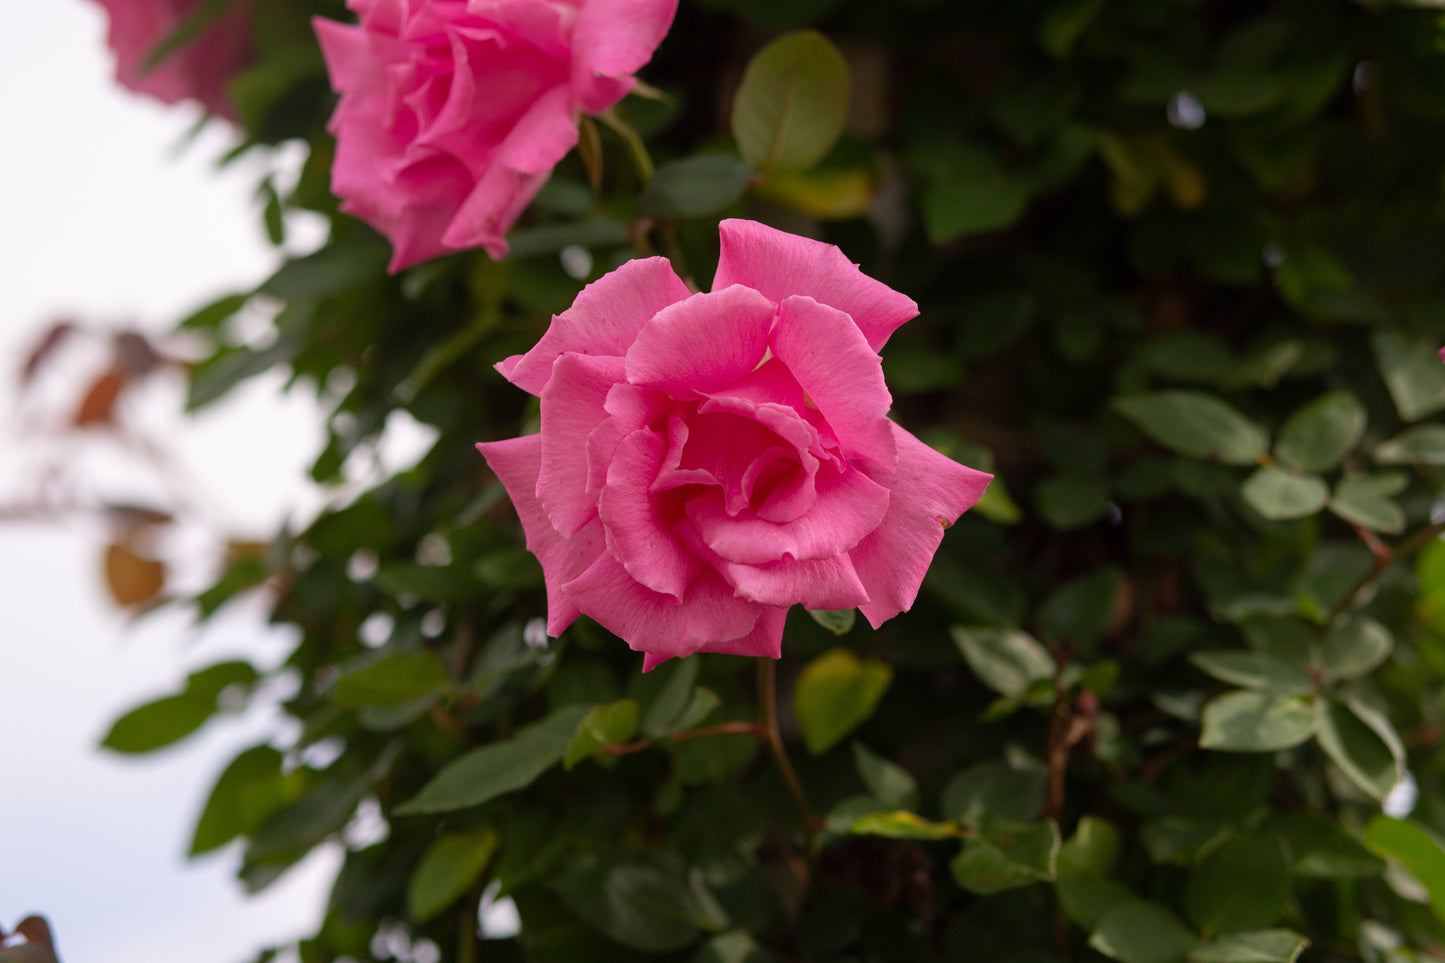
467	927
636	149
722	729
1383	561
768	710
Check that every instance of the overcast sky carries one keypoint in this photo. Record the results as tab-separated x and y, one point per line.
108	219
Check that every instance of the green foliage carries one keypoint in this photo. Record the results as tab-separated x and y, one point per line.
1177	267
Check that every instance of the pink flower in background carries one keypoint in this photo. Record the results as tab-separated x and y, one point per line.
708	460
201	70
454	112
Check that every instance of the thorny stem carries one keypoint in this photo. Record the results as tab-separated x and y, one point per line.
1383	560
768	708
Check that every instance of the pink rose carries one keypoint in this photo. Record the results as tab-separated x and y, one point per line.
708	460
454	112
201	70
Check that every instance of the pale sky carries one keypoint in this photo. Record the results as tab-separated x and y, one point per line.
107	218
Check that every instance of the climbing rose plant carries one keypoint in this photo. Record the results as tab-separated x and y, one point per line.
1171	687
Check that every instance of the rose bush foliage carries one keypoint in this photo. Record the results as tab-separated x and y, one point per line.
454	112
1171	691
738	457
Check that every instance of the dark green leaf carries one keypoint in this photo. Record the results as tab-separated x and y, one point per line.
639	904
249	790
1420	445
499	768
1256	722
1067	502
1318	436
1279	495
1195	424
1142	932
1416	849
889	783
1363	744
1354	647
1321	848
1413	373
1006	858
398	678
1008	662
995	791
447	870
1254	671
1091	851
839	621
1241	884
1365	500
694	187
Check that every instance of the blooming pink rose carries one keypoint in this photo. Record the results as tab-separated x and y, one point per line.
454	112
708	460
201	70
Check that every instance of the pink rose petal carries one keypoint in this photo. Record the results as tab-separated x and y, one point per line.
516	462
572	407
603	321
636	534
704	343
929	491
781	265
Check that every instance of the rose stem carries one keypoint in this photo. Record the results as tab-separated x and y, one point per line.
768	699
1383	561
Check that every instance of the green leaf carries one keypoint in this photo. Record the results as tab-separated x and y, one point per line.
433	583
398	678
1079	610
1086	900
1263	946
1279	495
975	196
1365	500
834	694
249	790
1254	670
1006	660
901	825
551	238
1420	445
1195	424
499	768
887	782
606	725
1006	858
1318	436
672	698
1256	722
172	718
837	621
1321	848
1354	647
642	905
995	791
1413	373
1091	851
1067	502
1363	744
791	105
694	187
333	269
1416	849
1142	932
1241	884
447	870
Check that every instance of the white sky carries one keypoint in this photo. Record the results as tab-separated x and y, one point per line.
107	219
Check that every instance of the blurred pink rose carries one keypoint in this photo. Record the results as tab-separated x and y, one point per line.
201	70
708	460
454	112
